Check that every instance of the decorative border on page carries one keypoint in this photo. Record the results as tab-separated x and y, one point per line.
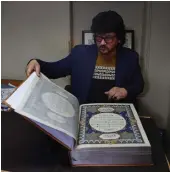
127	114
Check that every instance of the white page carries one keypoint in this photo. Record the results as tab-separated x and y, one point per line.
22	92
48	104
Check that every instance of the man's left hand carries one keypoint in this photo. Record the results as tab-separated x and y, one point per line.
116	93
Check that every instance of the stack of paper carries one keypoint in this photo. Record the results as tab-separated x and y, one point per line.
6	90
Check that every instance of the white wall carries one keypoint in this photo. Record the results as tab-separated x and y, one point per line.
33	29
157	99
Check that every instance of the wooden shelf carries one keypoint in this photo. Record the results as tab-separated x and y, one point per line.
11	81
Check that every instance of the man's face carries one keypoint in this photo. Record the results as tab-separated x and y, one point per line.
106	43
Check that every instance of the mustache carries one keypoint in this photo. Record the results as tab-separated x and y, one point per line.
102	46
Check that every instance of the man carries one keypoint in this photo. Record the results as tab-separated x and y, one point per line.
102	72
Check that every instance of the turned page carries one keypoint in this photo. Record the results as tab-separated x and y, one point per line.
48	104
22	92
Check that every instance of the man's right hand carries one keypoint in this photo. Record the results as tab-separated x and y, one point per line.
33	66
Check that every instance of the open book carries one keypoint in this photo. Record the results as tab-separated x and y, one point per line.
95	134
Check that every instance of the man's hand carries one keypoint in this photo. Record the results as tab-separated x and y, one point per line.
33	66
116	93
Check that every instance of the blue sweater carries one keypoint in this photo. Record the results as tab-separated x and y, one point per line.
80	64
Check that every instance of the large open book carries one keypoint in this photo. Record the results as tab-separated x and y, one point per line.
95	134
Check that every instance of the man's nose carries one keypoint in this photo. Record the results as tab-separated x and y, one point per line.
102	42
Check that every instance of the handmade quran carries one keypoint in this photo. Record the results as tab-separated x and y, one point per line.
95	134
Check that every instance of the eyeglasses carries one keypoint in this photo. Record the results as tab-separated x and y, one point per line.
107	39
